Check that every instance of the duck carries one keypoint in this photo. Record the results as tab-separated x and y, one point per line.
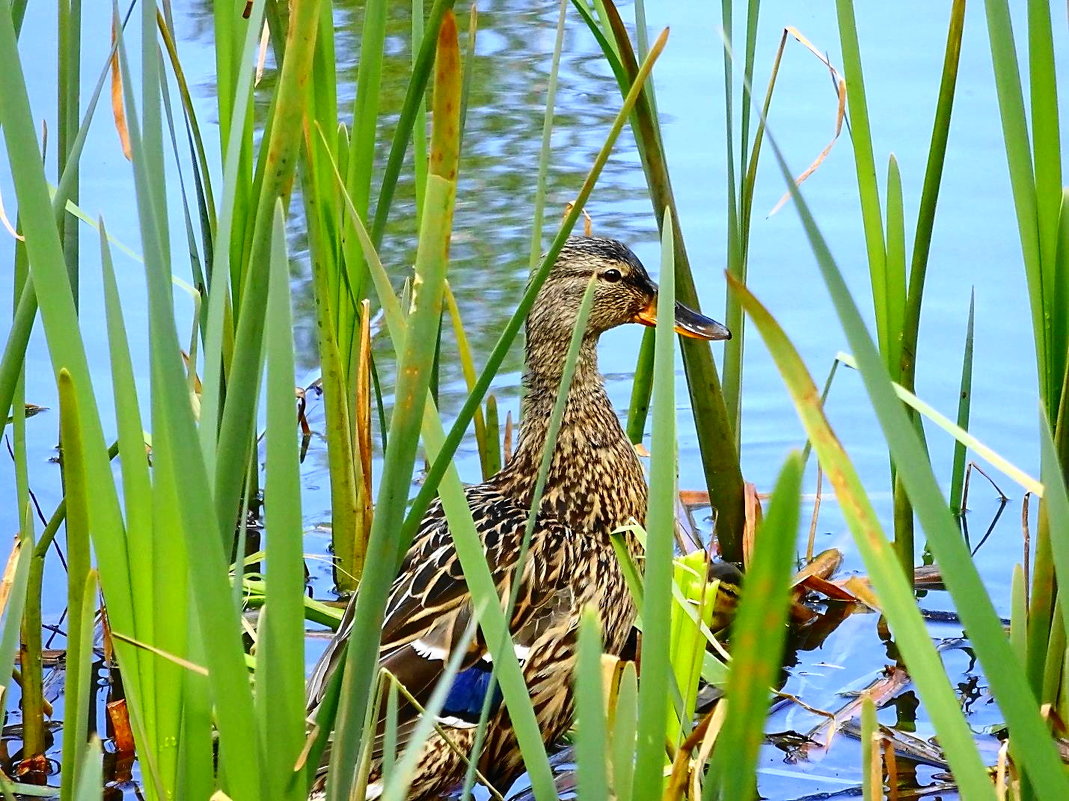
595	486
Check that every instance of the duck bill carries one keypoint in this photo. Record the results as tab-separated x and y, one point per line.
688	323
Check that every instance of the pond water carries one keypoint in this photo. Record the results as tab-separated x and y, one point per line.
975	246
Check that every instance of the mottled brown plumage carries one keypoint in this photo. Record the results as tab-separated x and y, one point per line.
595	485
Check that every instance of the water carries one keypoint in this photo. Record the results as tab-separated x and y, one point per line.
975	245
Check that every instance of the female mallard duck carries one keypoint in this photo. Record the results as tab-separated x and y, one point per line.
595	485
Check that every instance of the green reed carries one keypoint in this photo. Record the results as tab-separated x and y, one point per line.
1034	747
1031	134
897	295
716	435
163	526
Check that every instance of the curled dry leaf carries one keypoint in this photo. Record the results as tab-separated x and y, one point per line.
927	577
261	58
840	115
7	223
752	508
192	370
588	223
886	686
612	668
861	588
118	110
9	574
694	497
828	589
119	716
823	566
904	744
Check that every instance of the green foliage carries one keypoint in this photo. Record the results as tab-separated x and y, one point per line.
895	593
653	699
1031	134
957	477
1018	704
758	637
162	527
591	741
896	297
715	428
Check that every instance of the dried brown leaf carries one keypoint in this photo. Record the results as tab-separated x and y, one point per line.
752	509
261	57
9	574
119	716
588	223
840	115
118	109
7	222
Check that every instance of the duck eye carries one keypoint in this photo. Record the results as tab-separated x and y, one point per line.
612	275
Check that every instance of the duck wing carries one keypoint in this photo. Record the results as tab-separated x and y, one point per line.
429	607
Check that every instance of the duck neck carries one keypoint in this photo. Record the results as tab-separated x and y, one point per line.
595	482
542	377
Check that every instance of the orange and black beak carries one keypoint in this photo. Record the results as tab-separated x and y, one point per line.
688	322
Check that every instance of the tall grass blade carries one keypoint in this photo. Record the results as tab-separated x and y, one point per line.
978	615
980	448
280	662
957	475
414	368
422	68
398	780
279	159
547	132
660	526
715	429
504	645
489	450
933	174
137	492
58	313
229	233
91	774
443	459
638	408
1047	154
69	72
1022	176
899	606
758	634
1056	508
872	775
26	299
79	581
739	192
365	122
865	165
591	740
21	554
896	266
182	483
624	730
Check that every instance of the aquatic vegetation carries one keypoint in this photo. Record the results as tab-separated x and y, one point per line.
179	429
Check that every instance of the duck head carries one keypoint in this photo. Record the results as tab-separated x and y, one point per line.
623	293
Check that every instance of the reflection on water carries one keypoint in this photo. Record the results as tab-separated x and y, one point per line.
499	167
496	190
